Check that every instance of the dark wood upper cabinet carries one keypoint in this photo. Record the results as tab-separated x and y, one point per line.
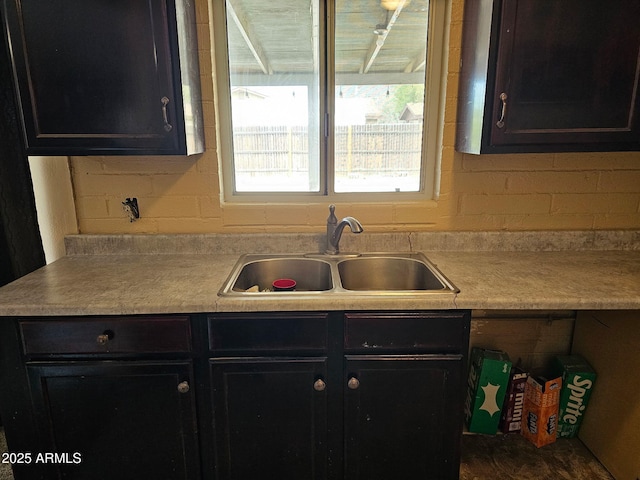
106	77
549	76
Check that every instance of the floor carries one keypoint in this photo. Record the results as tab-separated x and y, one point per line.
5	469
507	457
503	457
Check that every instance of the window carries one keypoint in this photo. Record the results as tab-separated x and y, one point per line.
336	98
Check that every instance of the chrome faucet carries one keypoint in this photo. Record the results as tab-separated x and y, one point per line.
334	230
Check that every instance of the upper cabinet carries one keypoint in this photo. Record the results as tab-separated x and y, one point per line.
106	77
539	76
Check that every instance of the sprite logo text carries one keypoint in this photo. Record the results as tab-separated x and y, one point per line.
575	405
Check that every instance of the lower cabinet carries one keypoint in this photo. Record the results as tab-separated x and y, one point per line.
357	396
100	397
124	420
270	417
283	395
404	389
402	416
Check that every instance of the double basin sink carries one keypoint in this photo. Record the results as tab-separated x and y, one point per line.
355	274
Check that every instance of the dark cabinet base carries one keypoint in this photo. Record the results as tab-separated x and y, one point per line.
314	396
403	418
124	420
270	416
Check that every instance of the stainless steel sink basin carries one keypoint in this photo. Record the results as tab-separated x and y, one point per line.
319	274
388	273
309	274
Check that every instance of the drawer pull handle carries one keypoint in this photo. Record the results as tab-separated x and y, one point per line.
353	383
167	126
319	385
500	123
183	387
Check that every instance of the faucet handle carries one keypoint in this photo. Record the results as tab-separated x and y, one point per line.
332	219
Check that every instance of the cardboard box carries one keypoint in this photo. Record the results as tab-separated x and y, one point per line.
511	419
578	378
540	415
486	388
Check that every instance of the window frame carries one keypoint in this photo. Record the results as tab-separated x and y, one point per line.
433	117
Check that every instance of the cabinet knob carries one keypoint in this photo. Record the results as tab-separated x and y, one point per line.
319	385
183	387
353	383
104	338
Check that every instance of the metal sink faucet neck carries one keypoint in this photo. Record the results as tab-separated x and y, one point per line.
335	228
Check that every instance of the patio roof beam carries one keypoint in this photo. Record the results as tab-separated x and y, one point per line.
250	38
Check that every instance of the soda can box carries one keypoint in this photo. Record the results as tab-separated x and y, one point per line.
511	419
578	379
540	414
486	388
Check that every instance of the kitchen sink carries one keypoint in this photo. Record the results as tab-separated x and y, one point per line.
388	273
309	274
352	274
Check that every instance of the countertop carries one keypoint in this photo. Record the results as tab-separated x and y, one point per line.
121	281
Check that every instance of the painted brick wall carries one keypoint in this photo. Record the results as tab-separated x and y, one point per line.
487	192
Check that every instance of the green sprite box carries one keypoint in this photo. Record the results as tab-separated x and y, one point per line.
489	372
578	378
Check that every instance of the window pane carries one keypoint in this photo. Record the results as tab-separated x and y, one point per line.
380	58
274	81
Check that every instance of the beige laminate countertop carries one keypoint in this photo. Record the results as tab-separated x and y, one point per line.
189	283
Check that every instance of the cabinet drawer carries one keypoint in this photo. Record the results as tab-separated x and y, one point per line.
415	331
106	335
268	332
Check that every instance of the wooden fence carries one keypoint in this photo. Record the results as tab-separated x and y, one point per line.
359	149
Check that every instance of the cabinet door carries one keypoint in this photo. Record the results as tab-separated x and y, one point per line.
270	418
403	416
126	420
567	73
98	77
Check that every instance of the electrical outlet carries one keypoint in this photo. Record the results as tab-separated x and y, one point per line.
130	206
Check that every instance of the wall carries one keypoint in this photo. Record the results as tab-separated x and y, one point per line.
611	425
54	203
488	192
